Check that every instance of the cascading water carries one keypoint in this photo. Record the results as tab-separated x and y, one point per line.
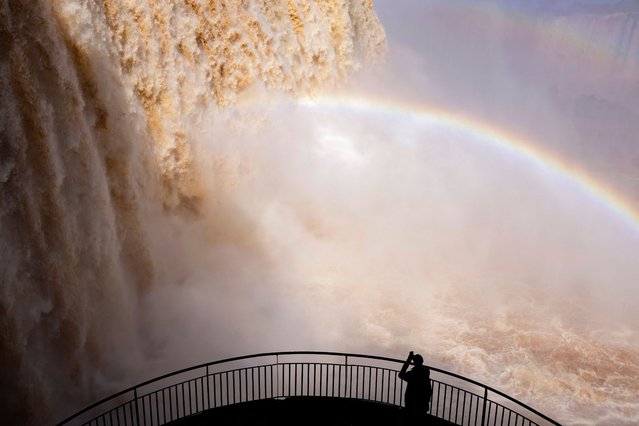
165	200
97	100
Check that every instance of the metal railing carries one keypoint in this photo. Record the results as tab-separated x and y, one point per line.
274	375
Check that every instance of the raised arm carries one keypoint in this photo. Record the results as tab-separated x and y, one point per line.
402	373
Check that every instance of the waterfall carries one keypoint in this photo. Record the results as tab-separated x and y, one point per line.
98	100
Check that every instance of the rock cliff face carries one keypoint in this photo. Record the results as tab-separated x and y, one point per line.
96	99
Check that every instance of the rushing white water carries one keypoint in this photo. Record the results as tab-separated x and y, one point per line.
98	100
164	201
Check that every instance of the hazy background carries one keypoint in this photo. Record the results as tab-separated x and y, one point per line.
565	73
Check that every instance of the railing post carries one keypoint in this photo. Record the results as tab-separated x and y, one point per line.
208	389
277	369
346	381
483	411
137	410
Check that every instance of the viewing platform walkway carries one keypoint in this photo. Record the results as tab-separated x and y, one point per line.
301	388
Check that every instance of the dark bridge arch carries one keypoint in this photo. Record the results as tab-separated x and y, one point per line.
309	374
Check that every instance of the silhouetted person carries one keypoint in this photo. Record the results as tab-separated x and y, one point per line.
418	389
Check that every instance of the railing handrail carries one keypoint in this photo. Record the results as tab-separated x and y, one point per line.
347	355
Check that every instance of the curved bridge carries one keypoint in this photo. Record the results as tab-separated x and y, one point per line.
287	375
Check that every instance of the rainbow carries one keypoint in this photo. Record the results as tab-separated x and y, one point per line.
513	145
